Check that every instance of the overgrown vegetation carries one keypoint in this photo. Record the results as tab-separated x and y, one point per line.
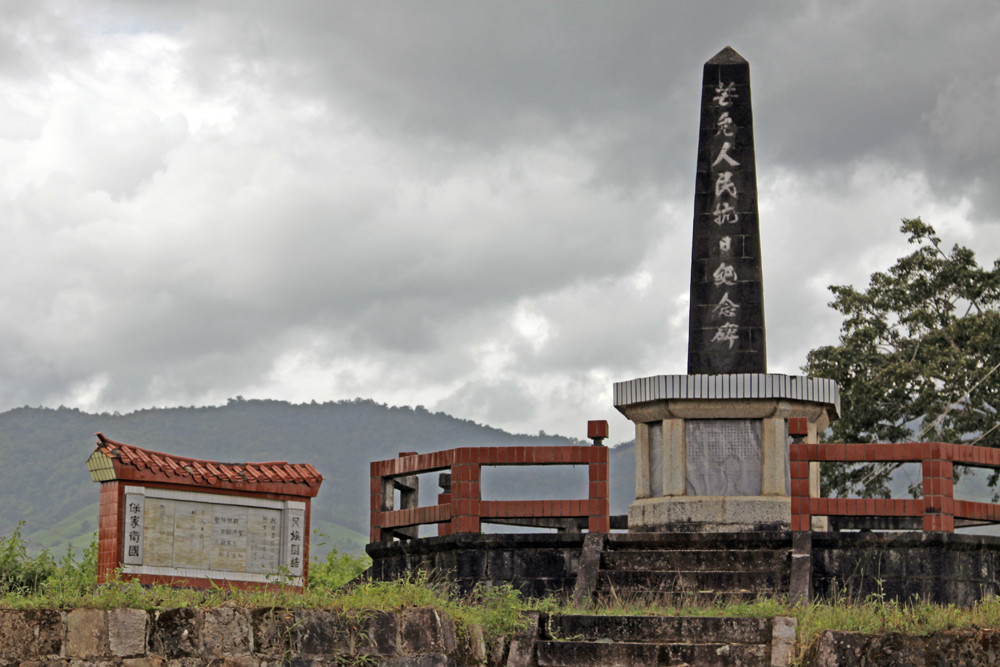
40	582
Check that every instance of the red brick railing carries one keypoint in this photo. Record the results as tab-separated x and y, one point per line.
937	510
460	509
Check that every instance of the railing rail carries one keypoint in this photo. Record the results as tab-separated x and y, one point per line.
460	508
937	510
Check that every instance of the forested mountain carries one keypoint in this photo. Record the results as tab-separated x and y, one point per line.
44	480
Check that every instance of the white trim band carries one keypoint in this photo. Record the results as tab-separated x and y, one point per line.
734	386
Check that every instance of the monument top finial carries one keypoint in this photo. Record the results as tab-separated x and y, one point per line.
727	56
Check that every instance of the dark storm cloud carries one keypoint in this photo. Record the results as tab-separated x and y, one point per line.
482	207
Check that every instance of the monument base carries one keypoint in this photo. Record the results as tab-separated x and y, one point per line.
710	514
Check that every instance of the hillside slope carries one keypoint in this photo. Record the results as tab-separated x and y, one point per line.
45	483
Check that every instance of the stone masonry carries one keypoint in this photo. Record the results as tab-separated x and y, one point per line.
234	637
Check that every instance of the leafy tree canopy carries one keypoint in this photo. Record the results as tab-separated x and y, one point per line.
919	356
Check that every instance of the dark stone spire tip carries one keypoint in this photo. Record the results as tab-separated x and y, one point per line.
727	56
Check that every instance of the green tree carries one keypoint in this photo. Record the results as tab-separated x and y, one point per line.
918	359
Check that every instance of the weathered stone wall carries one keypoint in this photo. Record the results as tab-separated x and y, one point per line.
943	568
972	648
536	564
234	637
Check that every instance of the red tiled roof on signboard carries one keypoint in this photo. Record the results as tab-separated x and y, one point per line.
117	460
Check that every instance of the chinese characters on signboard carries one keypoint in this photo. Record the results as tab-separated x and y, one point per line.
212	534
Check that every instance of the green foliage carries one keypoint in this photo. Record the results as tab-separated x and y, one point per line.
19	573
498	610
336	569
918	356
73	579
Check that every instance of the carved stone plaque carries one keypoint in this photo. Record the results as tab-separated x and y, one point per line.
723	457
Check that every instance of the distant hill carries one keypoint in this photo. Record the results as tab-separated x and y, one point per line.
44	480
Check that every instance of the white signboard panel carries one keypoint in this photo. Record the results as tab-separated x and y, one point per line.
203	535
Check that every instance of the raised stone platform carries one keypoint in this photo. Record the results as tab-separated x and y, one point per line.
686	567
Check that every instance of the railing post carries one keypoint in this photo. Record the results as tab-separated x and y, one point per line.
599	520
465	491
799	463
938	487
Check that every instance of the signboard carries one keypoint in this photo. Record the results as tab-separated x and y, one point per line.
213	536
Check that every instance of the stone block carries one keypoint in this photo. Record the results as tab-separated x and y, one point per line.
896	650
380	634
149	661
225	631
521	650
498	651
572	654
784	631
127	632
175	633
539	563
86	634
27	634
710	513
426	630
472	647
835	649
470	563
500	565
321	632
271	630
714	655
447	563
976	648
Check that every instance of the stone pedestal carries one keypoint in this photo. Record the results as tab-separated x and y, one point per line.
712	450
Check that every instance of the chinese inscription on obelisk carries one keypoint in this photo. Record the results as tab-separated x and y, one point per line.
726	323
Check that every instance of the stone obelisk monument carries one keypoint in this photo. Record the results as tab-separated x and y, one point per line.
712	445
726	324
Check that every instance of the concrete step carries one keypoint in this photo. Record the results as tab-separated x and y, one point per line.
676	599
696	559
658	629
633	654
552	653
766	582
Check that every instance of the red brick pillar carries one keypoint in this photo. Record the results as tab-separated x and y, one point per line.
599	520
465	491
938	483
376	489
798	457
110	530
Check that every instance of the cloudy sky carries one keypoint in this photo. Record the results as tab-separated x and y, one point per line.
484	208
